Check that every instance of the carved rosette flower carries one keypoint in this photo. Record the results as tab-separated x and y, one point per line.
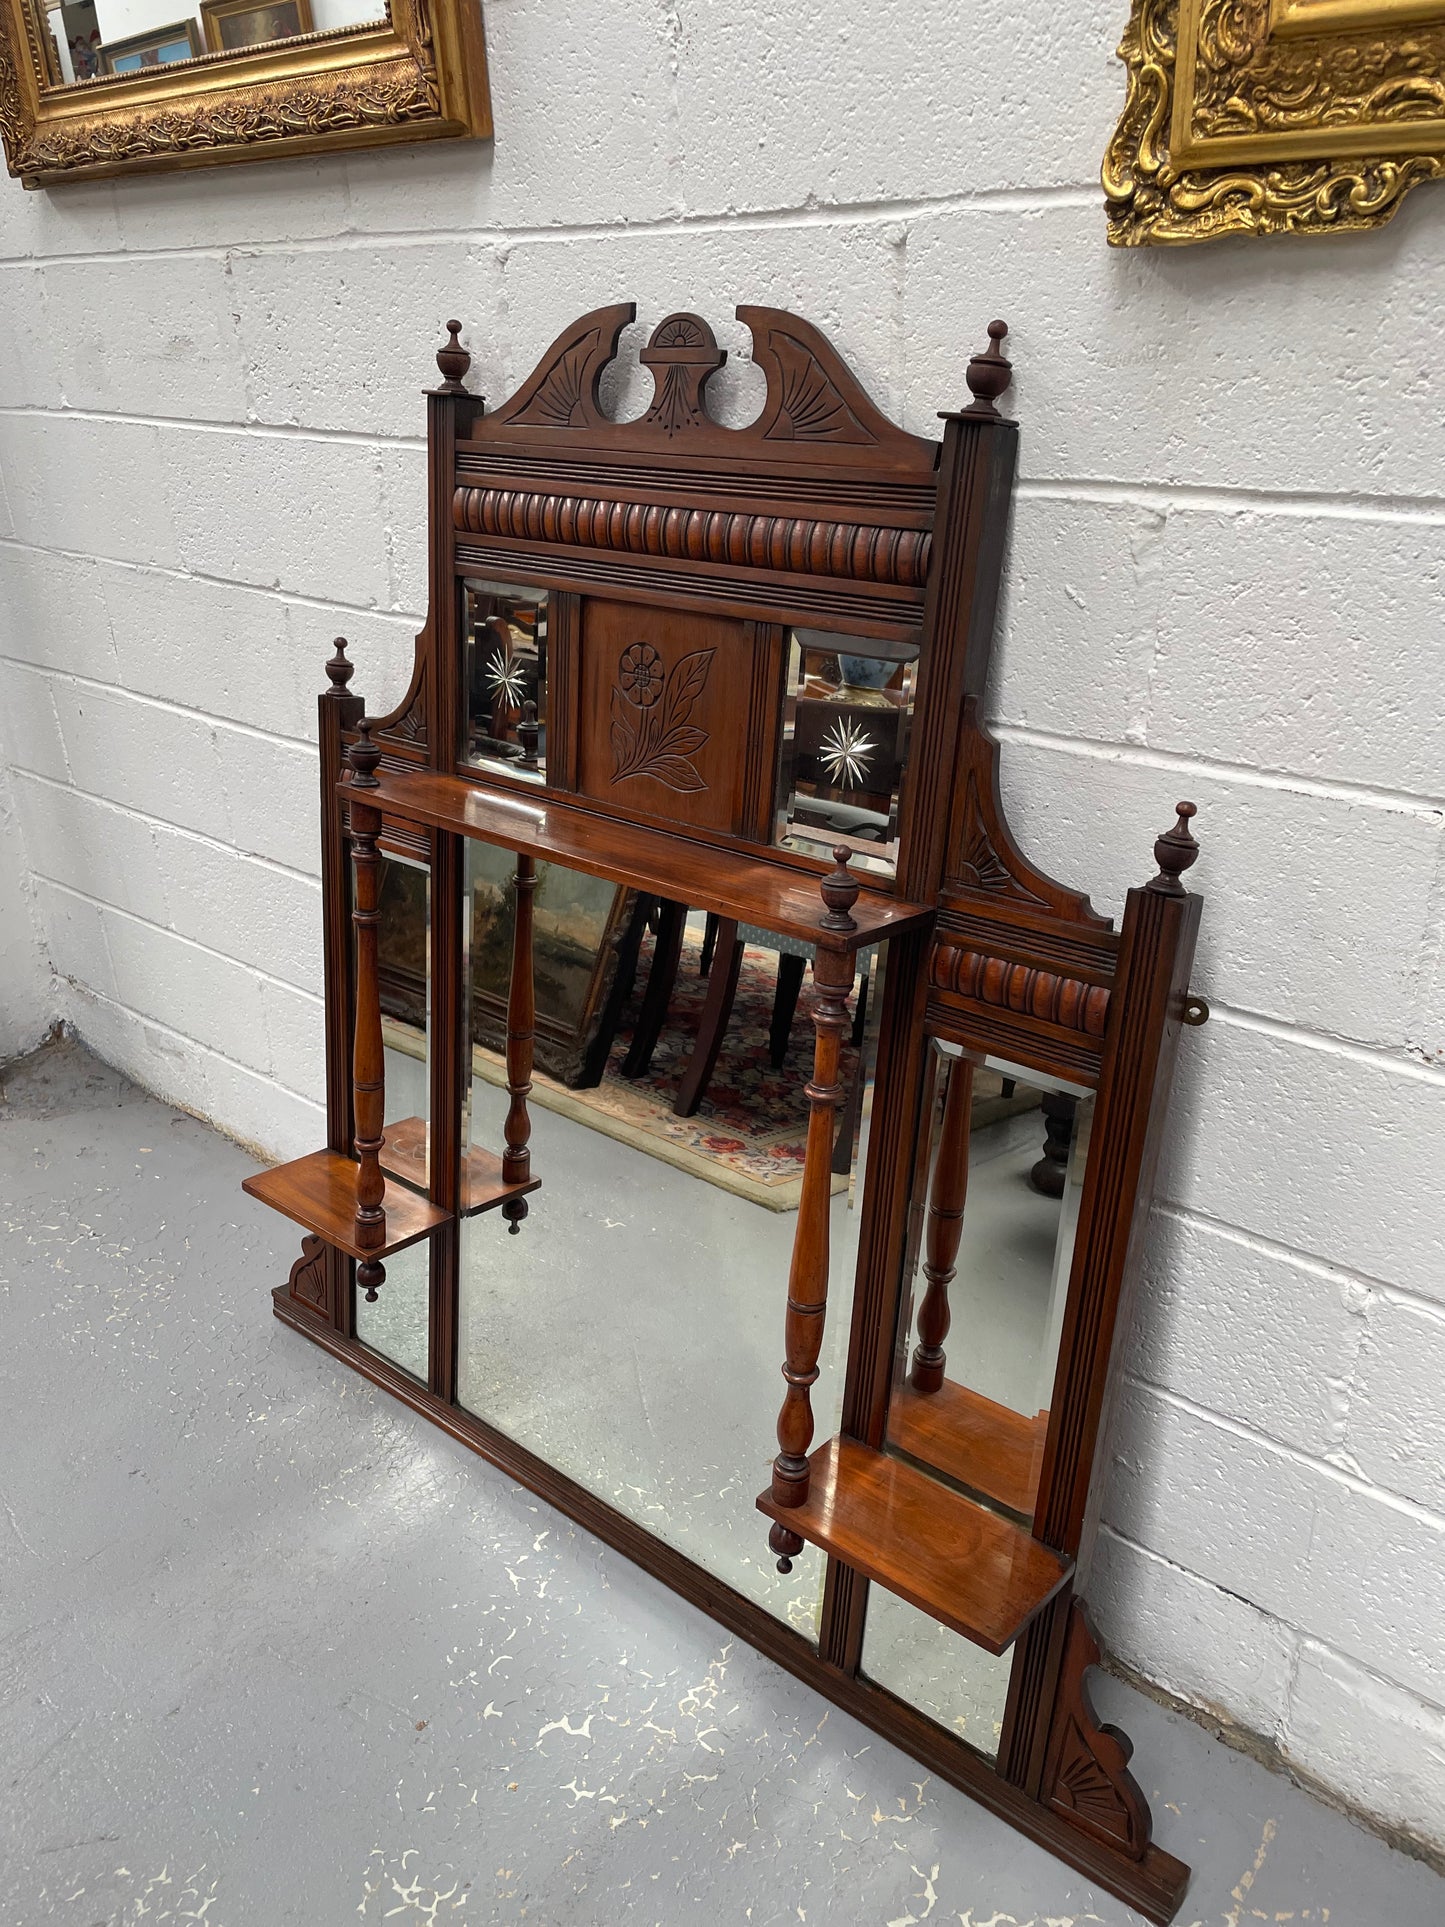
640	673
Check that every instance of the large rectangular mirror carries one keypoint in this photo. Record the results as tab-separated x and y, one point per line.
116	86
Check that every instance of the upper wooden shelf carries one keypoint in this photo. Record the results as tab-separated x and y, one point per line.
951	1557
772	895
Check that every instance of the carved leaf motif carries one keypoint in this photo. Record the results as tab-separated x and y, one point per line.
557	402
655	738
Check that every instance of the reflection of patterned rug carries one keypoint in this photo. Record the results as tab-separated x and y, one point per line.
749	1131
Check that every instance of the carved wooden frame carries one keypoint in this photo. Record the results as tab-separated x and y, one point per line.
419	74
820	512
1274	117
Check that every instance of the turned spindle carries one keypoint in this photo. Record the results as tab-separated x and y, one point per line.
989	374
808	1274
1174	852
521	1024
368	1083
454	361
945	1227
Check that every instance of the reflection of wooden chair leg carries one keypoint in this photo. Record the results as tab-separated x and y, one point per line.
594	1063
661	978
848	1121
1052	1169
722	985
785	1002
945	1227
709	943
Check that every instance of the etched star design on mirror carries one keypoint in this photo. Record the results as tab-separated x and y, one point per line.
845	753
504	678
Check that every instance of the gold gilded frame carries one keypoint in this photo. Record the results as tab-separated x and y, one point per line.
1274	117
420	74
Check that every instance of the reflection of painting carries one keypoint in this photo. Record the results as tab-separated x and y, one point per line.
160	47
82	37
232	24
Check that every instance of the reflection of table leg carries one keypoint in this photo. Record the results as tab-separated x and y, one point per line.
666	950
808	1274
521	1023
1049	1173
945	1227
709	942
722	985
785	1003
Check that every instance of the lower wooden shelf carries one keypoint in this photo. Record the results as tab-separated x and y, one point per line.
968	1437
975	1572
319	1192
483	1186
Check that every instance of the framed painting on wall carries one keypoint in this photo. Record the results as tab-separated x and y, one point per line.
157	47
231	24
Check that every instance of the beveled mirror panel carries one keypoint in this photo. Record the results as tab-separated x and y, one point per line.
998	1180
505	626
665	1213
114	86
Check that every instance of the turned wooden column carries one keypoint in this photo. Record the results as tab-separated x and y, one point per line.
521	1027
808	1273
945	1227
368	1080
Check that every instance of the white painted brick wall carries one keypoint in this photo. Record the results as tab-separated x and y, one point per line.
1227	581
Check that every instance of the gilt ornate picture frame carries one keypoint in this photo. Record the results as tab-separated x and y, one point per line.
1274	117
417	72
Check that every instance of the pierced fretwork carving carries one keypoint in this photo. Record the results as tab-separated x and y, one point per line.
1086	1773
308	1275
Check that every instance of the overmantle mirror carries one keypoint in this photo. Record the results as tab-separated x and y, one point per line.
95	87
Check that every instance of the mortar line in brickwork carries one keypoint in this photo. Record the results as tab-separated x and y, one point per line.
1338	1474
403	618
1143	756
310	877
261	431
1396	1062
179	936
209	718
1222	498
1326	1270
992	200
185	1039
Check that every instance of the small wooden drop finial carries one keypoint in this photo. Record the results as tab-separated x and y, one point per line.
840	892
1174	851
989	373
363	756
370	1273
453	360
528	731
338	669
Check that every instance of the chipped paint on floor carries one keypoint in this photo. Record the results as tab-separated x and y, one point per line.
276	1653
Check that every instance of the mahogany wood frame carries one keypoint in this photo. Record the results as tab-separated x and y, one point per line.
823	513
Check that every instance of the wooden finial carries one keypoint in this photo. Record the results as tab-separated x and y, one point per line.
454	361
840	892
1174	851
528	731
989	373
339	669
363	756
370	1272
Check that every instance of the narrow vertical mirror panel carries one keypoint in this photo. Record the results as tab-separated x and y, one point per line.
505	626
630	1333
397	1323
954	1682
847	718
999	1174
404	970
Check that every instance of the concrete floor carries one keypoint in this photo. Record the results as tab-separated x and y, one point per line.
274	1651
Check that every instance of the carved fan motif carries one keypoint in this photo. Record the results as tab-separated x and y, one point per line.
812	410
1087	1775
308	1275
684	356
558	402
651	734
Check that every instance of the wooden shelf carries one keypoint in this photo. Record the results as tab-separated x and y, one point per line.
969	1438
319	1192
951	1557
772	895
483	1186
